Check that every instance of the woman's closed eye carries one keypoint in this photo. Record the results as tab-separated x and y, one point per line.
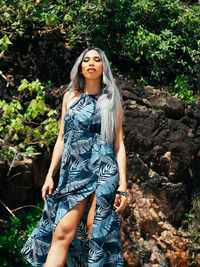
97	59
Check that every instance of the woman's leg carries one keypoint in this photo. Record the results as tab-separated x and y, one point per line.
64	234
91	212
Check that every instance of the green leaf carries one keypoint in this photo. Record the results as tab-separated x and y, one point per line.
30	149
15	137
23	85
41	106
2	103
6	15
51	112
6	109
4	42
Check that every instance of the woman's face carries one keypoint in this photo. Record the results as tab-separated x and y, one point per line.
92	65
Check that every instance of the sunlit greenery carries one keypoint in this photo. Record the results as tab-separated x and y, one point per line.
25	129
180	88
157	37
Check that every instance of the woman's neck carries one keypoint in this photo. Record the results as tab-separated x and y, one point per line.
92	86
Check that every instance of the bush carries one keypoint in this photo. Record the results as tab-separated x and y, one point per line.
13	239
23	130
158	33
180	88
156	39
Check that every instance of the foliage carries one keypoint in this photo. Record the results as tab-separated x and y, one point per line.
158	35
4	42
12	239
155	38
21	129
193	220
180	88
142	81
19	15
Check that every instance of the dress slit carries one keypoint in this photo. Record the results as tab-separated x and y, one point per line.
62	211
91	213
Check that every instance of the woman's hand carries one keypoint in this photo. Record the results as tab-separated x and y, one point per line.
120	200
47	187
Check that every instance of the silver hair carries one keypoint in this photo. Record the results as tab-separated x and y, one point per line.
109	101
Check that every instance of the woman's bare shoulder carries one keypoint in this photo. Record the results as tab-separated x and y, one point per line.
69	96
71	93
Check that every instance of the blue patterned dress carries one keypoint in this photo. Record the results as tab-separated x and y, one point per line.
88	165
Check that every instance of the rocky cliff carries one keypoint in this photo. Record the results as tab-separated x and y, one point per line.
163	150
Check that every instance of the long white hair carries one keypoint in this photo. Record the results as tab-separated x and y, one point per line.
109	101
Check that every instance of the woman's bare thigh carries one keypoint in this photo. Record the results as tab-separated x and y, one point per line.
71	219
91	213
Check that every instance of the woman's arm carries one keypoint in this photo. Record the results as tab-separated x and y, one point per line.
119	148
56	156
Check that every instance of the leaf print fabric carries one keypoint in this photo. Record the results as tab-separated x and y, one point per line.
88	165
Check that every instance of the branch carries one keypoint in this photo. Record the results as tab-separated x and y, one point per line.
27	206
15	156
13	176
4	77
25	154
1	73
2	53
10	211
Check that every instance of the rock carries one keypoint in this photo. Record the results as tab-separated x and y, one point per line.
163	142
155	99
22	184
148	238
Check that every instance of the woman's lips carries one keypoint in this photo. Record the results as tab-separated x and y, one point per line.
91	69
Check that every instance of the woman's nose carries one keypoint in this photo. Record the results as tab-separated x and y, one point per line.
91	62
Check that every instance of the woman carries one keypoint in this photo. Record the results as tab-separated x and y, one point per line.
80	225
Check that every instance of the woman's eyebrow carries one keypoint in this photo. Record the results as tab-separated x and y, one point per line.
93	57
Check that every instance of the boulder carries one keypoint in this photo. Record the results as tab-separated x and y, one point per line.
163	143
